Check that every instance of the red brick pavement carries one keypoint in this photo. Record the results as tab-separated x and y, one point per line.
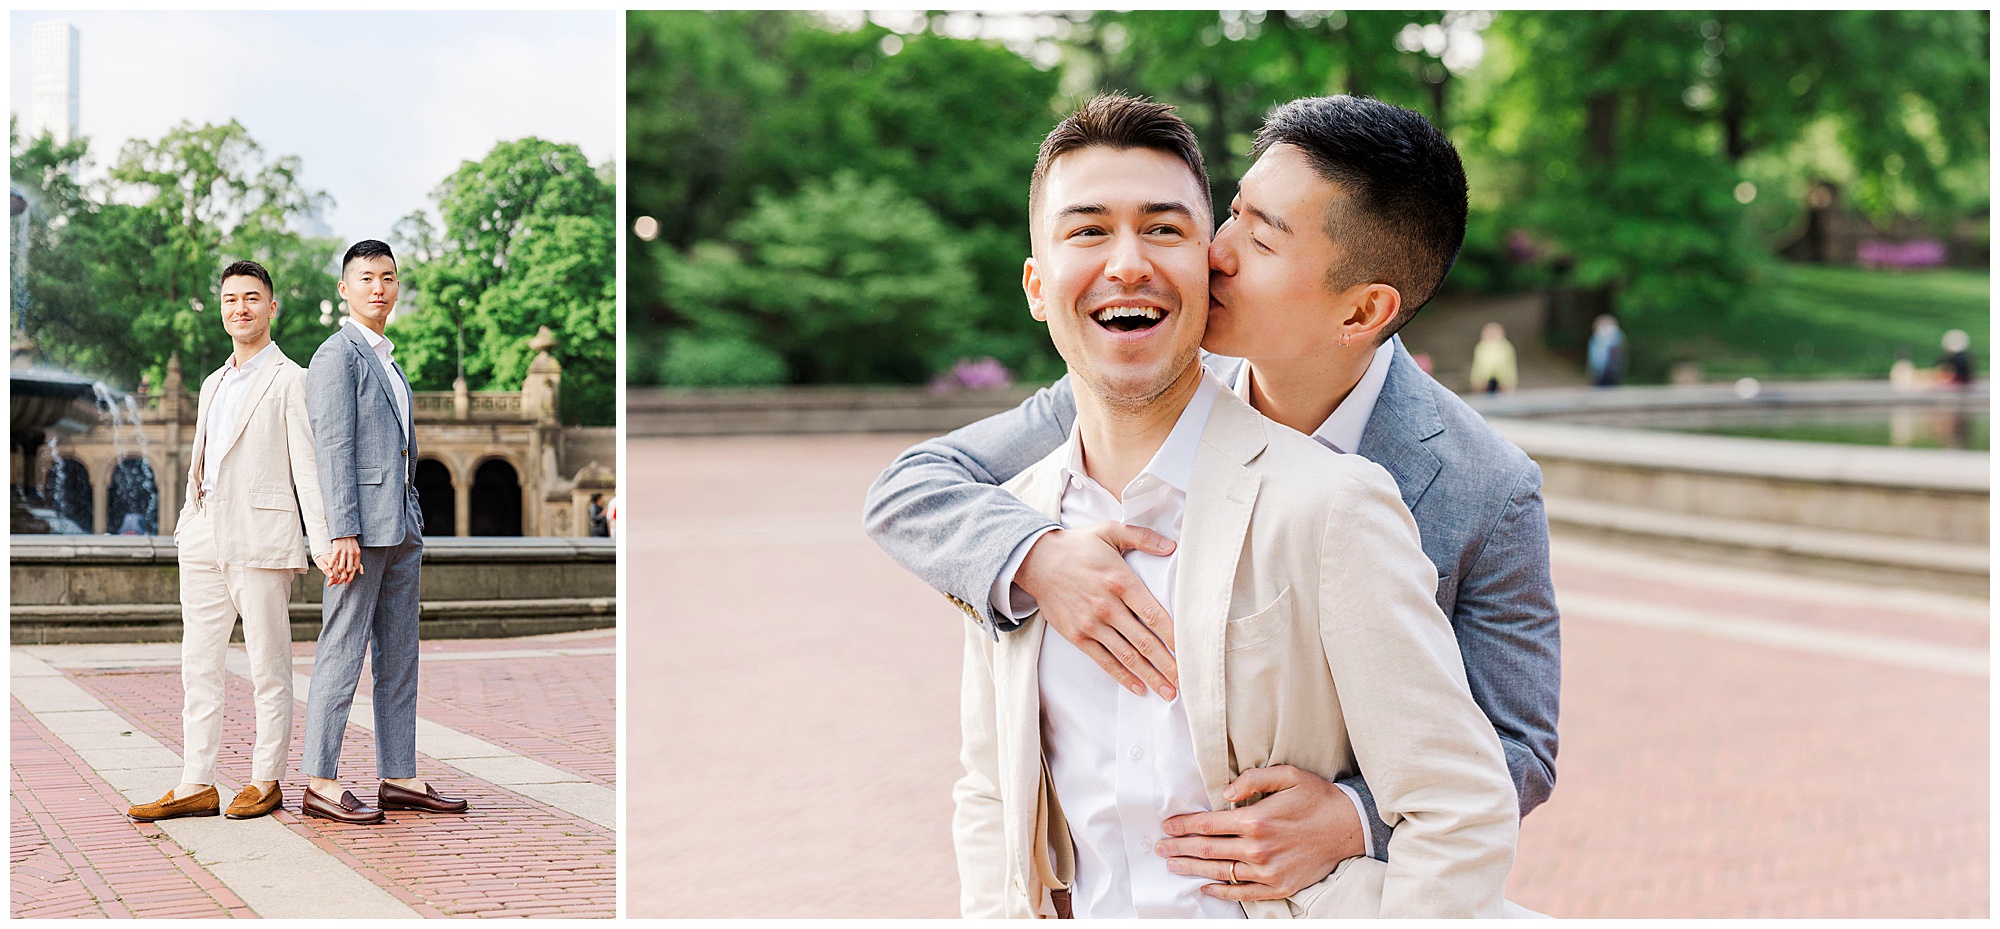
73	852
509	856
804	683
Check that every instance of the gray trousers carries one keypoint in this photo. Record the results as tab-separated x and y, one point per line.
378	608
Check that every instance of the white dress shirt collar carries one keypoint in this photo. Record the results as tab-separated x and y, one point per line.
377	341
250	365
1173	463
1342	431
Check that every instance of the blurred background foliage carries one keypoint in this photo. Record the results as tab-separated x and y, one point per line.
839	198
123	269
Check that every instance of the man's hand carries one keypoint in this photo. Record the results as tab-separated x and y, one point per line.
1281	844
346	560
1089	594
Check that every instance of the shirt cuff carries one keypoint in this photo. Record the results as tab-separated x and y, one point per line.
1006	599
1361	813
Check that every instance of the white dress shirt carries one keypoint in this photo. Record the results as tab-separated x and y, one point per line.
1122	763
223	410
397	388
1341	432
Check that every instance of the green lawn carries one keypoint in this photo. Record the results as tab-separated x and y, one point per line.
1803	321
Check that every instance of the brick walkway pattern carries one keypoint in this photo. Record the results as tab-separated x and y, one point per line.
804	686
510	856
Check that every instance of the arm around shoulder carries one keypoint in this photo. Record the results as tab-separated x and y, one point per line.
939	511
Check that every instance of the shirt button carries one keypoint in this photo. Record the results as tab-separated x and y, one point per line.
1137	753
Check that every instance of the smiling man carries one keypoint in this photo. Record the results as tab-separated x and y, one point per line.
1345	225
252	482
362	412
1295	571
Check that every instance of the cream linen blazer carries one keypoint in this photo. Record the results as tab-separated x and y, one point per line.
1307	634
268	480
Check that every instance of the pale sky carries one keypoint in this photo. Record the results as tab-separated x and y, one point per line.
378	106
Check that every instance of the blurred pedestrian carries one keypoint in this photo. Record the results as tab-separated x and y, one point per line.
600	525
1493	367
1606	353
1956	365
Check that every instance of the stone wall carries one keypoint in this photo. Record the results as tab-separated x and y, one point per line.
127	588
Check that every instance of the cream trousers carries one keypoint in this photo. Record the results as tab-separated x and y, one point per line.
213	595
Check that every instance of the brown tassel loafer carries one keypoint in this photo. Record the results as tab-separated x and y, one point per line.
392	797
251	803
204	802
348	810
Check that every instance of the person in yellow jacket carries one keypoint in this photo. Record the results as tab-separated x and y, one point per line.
1493	369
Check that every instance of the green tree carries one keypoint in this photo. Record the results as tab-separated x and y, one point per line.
526	241
849	281
124	276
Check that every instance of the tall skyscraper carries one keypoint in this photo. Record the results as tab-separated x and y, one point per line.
56	79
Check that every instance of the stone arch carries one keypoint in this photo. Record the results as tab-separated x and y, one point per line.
66	490
496	498
437	496
132	504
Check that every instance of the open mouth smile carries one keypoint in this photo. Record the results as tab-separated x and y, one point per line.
1128	318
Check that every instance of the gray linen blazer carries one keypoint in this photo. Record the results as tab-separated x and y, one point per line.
938	511
366	458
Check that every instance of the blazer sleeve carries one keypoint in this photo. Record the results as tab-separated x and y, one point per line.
1432	759
193	488
305	464
330	389
978	823
1509	632
938	509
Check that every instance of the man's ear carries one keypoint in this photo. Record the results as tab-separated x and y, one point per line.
340	287
1373	307
1031	284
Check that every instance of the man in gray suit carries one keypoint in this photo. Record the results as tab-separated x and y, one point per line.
1348	222
360	405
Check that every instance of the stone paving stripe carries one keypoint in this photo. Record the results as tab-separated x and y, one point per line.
499	766
271	869
1858	645
1809	588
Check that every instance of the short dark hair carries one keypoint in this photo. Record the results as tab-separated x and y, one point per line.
1120	122
366	248
248	269
1406	219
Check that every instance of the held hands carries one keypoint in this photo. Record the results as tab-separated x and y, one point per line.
1280	845
1089	594
343	563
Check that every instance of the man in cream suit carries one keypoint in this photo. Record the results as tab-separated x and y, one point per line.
251	481
361	409
1303	603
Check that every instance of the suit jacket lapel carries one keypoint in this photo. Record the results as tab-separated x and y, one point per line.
1404	416
372	363
260	384
1221	495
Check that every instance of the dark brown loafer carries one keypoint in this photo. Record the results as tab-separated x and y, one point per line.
251	803
348	810
392	797
204	802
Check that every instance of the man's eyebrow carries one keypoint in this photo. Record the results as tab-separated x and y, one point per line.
1268	219
1082	209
